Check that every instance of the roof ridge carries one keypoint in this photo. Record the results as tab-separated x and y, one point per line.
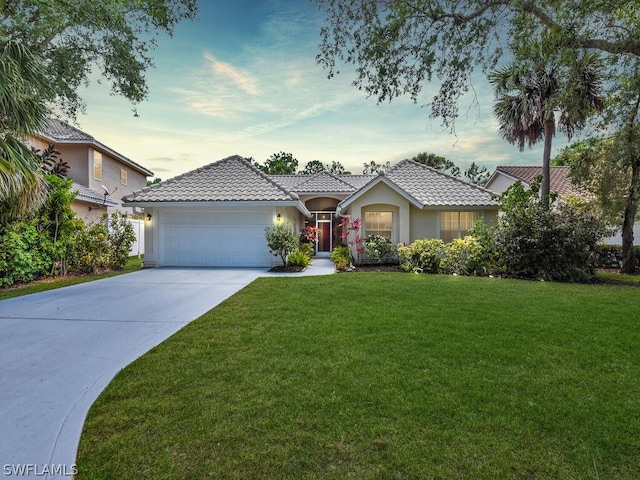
444	174
264	175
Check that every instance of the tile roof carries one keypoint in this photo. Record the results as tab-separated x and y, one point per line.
323	182
232	179
434	188
86	194
57	131
560	180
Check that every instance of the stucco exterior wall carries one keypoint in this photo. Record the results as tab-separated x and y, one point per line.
424	224
499	183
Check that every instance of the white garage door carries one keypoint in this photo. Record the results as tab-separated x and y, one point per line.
215	238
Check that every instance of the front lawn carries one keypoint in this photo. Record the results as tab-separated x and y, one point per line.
383	376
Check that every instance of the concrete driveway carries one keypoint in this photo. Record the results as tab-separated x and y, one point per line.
59	349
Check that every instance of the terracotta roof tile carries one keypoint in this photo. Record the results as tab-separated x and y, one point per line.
560	180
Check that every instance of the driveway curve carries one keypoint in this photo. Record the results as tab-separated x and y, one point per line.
59	349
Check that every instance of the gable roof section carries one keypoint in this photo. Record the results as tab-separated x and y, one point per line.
560	180
58	132
426	187
232	179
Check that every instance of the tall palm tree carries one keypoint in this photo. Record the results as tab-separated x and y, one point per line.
535	95
24	93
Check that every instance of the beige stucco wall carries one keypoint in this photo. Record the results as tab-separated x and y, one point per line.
499	183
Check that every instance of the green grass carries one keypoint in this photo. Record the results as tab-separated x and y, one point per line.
619	277
133	264
383	376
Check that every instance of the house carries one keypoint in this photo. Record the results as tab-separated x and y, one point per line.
101	175
561	184
505	176
216	215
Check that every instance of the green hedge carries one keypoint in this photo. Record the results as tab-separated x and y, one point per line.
610	256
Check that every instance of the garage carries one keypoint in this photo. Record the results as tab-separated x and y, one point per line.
214	237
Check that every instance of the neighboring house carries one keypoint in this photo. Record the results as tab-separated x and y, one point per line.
216	215
93	167
561	184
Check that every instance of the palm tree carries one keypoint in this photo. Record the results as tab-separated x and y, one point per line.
535	94
24	93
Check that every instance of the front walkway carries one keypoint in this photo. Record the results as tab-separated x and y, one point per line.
319	266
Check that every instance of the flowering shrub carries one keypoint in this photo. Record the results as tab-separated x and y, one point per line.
378	248
351	234
310	234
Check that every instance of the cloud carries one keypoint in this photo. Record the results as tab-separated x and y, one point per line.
224	71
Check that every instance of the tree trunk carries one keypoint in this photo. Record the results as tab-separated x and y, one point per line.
630	211
545	188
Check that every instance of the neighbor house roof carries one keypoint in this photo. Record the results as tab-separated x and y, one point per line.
58	132
426	187
232	179
88	195
559	179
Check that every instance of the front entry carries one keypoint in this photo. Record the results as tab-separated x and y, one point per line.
324	224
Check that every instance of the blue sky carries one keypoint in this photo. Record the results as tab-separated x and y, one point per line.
242	79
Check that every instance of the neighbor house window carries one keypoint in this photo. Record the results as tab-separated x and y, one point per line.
456	224
123	176
97	165
378	223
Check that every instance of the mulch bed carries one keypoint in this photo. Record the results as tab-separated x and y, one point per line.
287	269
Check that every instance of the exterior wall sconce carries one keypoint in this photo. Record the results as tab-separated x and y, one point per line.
278	218
148	216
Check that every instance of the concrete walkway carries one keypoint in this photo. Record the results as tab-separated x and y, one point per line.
59	349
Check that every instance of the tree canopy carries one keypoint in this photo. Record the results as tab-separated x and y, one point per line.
277	164
397	47
75	36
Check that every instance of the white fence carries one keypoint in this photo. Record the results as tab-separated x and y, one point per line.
138	246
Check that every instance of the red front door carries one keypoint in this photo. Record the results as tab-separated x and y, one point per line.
324	236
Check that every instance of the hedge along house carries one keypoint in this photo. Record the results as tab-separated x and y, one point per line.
216	215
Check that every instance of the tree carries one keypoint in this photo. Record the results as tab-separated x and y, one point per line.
282	240
373	168
23	85
398	47
543	88
74	37
337	169
439	163
154	181
312	167
278	164
478	175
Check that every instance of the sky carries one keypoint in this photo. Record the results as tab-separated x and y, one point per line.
242	79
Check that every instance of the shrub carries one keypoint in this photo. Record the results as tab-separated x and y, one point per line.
282	240
22	256
422	256
341	257
308	248
299	259
547	244
120	238
378	248
464	256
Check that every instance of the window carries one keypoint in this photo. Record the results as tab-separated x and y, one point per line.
123	176
378	223
97	165
456	224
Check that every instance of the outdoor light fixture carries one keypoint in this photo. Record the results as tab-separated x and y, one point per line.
279	218
149	216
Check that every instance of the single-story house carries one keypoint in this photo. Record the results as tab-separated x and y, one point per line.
216	215
560	181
